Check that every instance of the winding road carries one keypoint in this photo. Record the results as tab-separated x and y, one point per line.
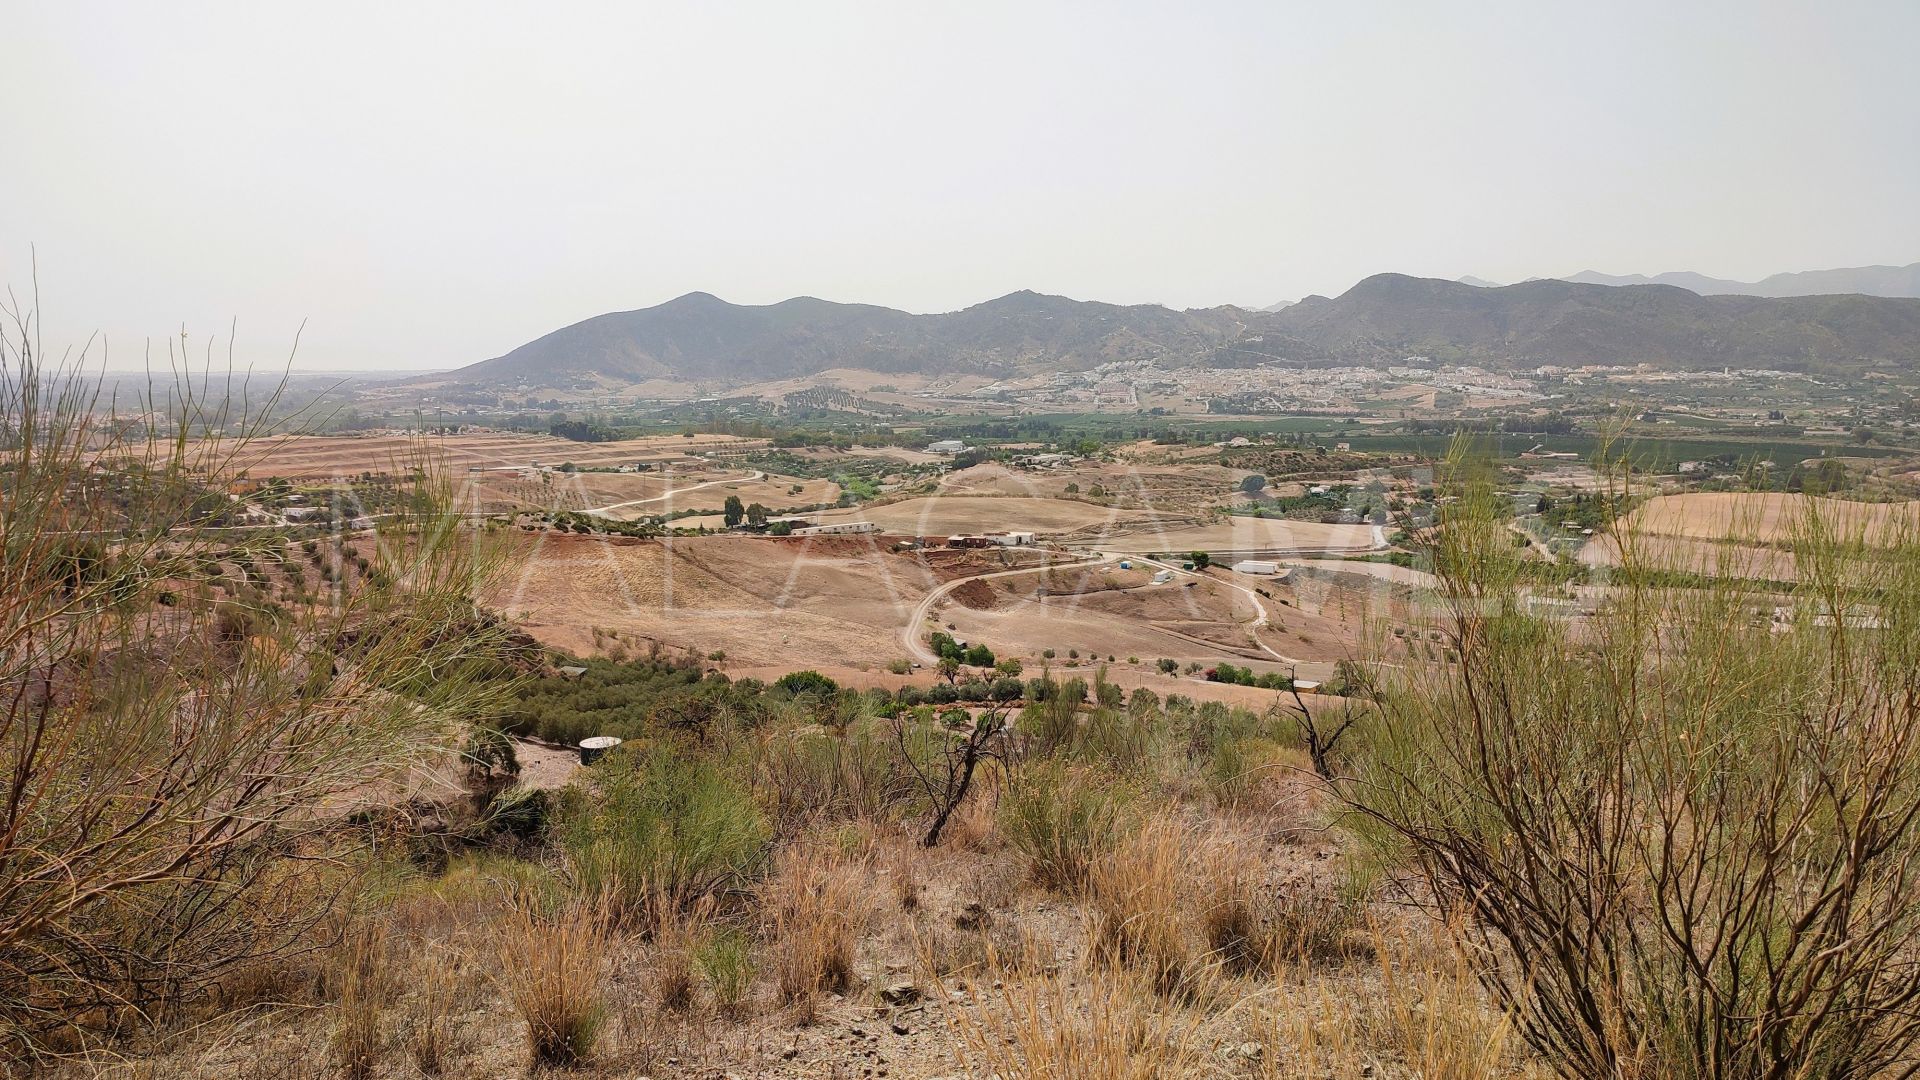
910	633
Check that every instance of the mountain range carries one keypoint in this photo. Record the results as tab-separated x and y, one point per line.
700	338
1901	281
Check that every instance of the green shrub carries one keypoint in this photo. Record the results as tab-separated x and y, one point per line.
1061	817
662	826
806	682
725	960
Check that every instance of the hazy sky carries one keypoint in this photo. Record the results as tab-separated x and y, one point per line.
433	184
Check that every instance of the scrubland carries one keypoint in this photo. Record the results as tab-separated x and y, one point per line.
1675	840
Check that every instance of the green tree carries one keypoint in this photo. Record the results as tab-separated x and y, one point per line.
1254	485
756	514
733	511
1201	560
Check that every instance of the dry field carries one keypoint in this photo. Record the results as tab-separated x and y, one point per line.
1250	535
776	493
1105	611
324	457
632	495
936	515
797	603
1189	489
1740	534
1760	517
1696	556
845	601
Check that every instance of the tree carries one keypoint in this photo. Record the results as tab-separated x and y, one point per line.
1168	667
948	668
1254	484
1201	560
733	511
944	775
979	656
756	514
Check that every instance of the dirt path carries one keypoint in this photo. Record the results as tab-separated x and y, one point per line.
1259	607
910	634
756	475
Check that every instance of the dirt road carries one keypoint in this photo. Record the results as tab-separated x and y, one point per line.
610	507
910	633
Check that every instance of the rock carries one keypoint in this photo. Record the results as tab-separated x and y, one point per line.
901	1029
903	993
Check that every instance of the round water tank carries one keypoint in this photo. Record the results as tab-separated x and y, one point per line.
592	749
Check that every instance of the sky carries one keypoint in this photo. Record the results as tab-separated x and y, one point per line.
426	185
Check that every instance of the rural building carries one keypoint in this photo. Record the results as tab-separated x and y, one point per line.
1256	566
1163	577
1012	539
1044	461
946	446
972	542
838	528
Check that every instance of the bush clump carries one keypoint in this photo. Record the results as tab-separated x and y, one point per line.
662	826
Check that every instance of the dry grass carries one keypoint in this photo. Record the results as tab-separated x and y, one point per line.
1226	901
365	984
1425	1016
554	981
817	902
430	1019
675	932
1030	1020
1137	902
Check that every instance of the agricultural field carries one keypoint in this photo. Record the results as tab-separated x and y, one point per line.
324	457
947	515
1747	535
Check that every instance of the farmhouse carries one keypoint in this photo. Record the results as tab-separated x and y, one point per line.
1259	566
838	528
946	446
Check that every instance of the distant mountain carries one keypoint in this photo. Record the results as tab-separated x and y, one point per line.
1900	281
1569	323
700	338
1279	305
1479	282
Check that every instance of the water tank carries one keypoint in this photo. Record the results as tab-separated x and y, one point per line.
591	750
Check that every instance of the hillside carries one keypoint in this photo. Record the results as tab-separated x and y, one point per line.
1900	281
1565	323
700	338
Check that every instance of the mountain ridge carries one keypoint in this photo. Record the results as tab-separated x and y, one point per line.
1879	280
701	338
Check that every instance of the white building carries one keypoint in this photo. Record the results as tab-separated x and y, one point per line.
1012	539
1256	566
946	446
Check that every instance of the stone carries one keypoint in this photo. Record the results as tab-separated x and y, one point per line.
902	993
